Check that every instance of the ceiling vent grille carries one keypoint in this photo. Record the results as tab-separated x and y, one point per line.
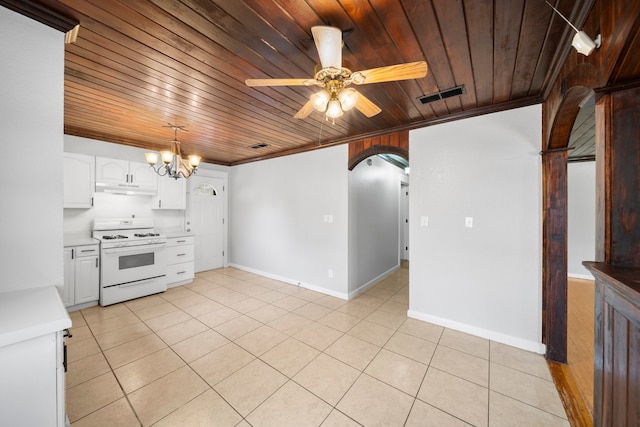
444	94
258	146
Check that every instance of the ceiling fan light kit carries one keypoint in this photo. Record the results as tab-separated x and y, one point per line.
173	165
581	42
335	98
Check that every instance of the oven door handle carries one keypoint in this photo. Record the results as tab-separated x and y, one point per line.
138	282
139	248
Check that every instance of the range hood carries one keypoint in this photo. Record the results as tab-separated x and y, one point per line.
126	189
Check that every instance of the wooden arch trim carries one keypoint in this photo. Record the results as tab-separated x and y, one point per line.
566	116
396	143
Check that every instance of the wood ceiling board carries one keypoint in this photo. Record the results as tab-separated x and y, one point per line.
480	33
137	65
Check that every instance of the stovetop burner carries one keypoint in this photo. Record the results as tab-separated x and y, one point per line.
112	237
146	234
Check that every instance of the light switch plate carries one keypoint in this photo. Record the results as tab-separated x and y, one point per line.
468	221
424	221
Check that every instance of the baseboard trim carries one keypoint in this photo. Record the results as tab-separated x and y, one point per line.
372	282
523	344
289	281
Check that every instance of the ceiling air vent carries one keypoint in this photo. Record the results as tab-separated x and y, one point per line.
258	146
444	94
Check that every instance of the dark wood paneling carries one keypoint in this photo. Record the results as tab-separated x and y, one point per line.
617	349
625	178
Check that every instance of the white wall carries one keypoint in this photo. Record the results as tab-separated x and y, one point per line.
581	217
277	218
374	219
80	221
484	280
31	121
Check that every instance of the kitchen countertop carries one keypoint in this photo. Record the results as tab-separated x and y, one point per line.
31	313
79	239
173	235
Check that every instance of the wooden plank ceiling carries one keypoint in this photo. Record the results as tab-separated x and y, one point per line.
138	65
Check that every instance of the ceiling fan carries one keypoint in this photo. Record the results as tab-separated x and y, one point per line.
335	97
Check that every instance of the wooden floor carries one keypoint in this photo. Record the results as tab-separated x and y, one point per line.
580	336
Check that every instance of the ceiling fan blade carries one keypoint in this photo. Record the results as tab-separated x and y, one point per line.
411	70
304	111
366	106
279	82
329	44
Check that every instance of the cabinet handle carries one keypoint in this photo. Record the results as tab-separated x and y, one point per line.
132	178
92	201
180	254
88	250
159	203
181	272
72	253
64	356
180	241
97	263
127	177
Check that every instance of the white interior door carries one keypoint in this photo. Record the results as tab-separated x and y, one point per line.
205	219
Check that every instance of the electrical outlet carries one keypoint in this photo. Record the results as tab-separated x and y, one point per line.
424	221
468	222
330	274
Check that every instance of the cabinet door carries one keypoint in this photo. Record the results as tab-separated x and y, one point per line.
87	279
172	194
79	180
67	291
142	175
111	171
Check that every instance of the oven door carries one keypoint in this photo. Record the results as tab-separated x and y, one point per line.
132	263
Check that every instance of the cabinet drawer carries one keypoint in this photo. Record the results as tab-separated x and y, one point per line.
90	250
180	272
178	254
176	241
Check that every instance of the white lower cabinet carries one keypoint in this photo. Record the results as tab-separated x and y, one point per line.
81	274
180	256
32	358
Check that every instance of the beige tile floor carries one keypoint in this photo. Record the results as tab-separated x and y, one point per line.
236	349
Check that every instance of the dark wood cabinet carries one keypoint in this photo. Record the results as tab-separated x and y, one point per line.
617	345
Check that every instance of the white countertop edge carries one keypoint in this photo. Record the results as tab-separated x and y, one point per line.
31	313
178	235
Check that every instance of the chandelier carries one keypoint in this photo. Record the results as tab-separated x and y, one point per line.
173	165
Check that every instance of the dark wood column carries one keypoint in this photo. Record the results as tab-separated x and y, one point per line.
554	262
618	177
617	303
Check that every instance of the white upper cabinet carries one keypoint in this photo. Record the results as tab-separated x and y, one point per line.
112	171
125	177
143	175
172	194
78	180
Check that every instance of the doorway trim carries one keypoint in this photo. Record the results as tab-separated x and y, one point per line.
208	173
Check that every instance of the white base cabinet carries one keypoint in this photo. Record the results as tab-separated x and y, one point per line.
32	358
81	274
180	261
